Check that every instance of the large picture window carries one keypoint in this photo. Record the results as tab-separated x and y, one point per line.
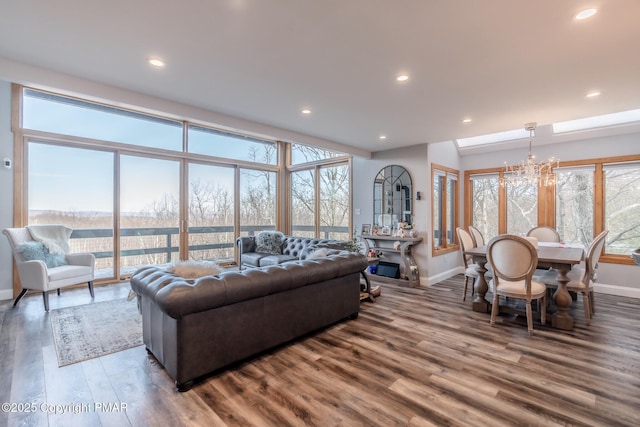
522	208
320	193
589	196
622	207
74	187
258	198
211	212
485	208
303	203
140	189
149	212
334	202
574	204
58	114
213	142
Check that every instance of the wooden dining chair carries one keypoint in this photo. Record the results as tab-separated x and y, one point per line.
478	238
514	260
582	279
544	234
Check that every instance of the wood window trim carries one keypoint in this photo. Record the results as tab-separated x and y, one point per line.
454	245
546	200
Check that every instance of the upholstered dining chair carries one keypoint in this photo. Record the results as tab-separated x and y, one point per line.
478	238
513	260
582	279
466	243
44	262
544	234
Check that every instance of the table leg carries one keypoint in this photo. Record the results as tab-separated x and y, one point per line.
480	288
562	319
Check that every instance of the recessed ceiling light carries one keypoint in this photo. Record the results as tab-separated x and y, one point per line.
156	62
306	111
593	94
382	137
467	120
402	78
587	13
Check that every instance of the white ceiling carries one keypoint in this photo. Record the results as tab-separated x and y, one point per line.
501	62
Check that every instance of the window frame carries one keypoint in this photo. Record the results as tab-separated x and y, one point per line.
316	166
22	137
444	198
547	199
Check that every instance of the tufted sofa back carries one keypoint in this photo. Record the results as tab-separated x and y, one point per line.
297	246
178	297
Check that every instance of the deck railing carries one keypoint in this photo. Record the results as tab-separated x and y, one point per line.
168	232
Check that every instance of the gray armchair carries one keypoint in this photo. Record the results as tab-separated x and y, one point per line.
54	271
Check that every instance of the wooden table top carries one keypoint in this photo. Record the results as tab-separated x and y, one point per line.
558	254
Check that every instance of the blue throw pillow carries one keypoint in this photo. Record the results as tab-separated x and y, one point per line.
36	250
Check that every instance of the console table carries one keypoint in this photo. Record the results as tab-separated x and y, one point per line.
384	246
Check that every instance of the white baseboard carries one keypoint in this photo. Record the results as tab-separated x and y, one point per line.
601	288
622	291
6	294
432	280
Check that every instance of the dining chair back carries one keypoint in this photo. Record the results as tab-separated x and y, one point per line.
582	279
593	256
478	238
466	243
514	260
544	234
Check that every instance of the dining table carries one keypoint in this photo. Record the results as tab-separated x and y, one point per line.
559	256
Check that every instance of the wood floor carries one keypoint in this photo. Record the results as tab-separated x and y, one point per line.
415	357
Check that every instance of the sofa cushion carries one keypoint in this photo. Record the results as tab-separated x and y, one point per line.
33	250
275	260
253	258
68	271
269	242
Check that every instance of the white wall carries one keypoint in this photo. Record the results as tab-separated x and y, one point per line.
6	191
417	160
414	160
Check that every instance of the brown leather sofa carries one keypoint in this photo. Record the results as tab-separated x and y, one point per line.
197	327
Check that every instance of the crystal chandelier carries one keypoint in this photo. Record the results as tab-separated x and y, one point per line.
529	172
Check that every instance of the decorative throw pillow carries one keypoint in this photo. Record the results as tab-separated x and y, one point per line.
194	269
36	250
269	242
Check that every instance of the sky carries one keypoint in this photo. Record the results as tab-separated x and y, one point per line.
66	178
75	179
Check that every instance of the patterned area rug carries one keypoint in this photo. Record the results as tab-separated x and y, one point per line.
93	330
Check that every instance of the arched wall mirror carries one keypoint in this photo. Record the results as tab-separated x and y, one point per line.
392	193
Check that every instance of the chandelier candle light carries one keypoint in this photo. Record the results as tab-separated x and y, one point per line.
530	172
